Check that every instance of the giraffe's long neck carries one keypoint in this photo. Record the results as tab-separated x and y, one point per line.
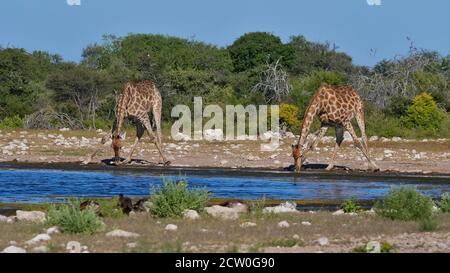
121	109
308	119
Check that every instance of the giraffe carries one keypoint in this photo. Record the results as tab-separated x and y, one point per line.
335	106
137	99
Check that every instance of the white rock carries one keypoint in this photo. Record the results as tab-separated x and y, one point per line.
396	139
306	223
222	212
339	212
286	207
347	136
374	138
132	245
181	137
213	134
289	135
171	227
269	134
247	224
223	162
373	247
3	219
40	249
30	216
253	158
190	214
39	238
239	207
14	249
296	237
52	230
121	233
283	224
323	241
73	247
64	129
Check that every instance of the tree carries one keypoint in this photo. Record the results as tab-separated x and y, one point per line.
79	88
423	113
309	56
274	83
258	48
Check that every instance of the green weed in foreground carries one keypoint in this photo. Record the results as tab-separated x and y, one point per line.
172	198
405	203
70	219
350	206
444	203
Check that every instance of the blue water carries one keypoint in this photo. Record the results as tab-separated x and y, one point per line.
38	186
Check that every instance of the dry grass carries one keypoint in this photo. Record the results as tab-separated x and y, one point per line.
212	235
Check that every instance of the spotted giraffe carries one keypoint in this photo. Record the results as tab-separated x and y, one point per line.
335	106
137	99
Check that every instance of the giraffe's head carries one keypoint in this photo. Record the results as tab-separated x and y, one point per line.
297	154
116	144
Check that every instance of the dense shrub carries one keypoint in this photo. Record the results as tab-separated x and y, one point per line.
11	122
405	203
444	203
172	198
423	113
70	219
289	116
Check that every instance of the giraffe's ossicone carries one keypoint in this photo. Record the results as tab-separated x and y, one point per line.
335	106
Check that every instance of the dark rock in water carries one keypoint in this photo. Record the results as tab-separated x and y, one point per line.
92	205
125	204
140	205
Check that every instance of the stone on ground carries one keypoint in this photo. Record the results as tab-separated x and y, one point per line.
171	227
30	216
288	207
39	238
14	249
221	212
283	224
190	214
121	233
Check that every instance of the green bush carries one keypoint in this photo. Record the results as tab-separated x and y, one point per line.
172	198
428	224
11	122
289	116
423	113
350	206
70	219
444	203
405	203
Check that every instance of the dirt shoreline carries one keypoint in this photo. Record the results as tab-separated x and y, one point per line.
393	156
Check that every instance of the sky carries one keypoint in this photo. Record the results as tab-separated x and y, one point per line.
368	30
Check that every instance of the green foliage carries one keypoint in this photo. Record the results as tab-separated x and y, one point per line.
405	203
254	49
385	247
289	116
11	122
444	203
428	224
310	56
423	113
172	198
109	209
70	219
304	88
350	206
285	242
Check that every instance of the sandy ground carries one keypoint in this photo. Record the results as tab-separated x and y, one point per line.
398	155
324	233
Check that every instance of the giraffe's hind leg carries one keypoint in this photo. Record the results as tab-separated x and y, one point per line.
146	122
359	144
139	133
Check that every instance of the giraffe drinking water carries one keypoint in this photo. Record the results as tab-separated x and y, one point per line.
335	106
